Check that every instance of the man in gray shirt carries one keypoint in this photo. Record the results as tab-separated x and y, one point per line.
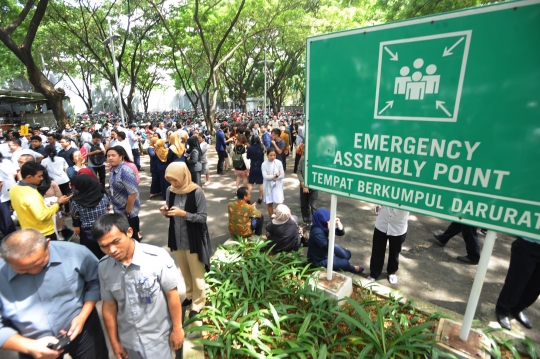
48	289
141	304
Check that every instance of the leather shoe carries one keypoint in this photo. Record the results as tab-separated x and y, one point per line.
193	313
186	302
438	239
504	321
522	318
466	259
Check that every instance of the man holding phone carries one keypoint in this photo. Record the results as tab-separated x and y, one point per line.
29	204
48	292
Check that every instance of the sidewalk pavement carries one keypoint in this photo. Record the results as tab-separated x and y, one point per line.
428	272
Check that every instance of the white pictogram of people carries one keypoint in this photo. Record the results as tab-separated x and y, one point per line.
416	86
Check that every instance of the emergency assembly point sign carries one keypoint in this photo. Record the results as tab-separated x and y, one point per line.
437	115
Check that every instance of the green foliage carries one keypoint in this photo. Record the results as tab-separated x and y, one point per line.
405	9
261	305
498	344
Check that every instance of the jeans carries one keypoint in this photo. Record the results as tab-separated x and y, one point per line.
136	157
257	225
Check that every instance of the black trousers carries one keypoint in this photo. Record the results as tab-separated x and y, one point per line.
296	161
7	226
89	344
134	223
522	285
469	236
308	204
378	251
221	159
64	188
100	172
88	241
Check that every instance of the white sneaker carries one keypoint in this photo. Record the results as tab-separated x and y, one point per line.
371	279
392	278
206	183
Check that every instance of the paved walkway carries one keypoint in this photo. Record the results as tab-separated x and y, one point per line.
428	272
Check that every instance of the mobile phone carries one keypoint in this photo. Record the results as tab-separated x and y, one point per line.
63	341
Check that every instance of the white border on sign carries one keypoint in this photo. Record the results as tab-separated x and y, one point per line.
467	34
456	14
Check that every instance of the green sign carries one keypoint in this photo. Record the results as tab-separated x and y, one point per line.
437	115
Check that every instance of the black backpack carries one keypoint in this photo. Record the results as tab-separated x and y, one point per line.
97	159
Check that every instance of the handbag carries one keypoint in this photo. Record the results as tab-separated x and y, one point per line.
247	161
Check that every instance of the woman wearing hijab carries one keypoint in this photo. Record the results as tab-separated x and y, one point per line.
89	203
162	155
255	153
188	233
155	186
283	231
177	149
194	160
318	243
87	171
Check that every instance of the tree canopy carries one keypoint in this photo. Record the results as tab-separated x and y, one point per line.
212	49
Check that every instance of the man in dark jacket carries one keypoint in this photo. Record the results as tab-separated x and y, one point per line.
221	148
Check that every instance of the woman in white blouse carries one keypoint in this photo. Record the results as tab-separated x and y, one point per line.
273	174
57	166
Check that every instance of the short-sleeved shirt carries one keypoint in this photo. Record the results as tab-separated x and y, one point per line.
122	183
24	151
133	143
91	163
140	326
57	169
281	145
392	221
240	215
43	304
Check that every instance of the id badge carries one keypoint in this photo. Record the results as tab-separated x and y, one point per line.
144	292
273	184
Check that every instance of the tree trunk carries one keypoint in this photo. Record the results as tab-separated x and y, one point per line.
45	87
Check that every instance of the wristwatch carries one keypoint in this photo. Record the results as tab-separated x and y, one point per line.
128	214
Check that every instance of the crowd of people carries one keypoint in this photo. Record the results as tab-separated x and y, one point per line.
49	288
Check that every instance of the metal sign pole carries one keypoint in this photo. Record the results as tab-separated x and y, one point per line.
477	284
332	236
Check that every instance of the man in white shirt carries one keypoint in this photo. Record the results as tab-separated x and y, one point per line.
122	141
162	131
8	171
106	132
86	137
17	151
133	139
390	226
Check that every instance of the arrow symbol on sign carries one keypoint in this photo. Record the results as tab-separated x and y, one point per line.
394	56
439	104
389	104
448	51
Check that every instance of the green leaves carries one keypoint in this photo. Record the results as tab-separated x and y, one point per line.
261	305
